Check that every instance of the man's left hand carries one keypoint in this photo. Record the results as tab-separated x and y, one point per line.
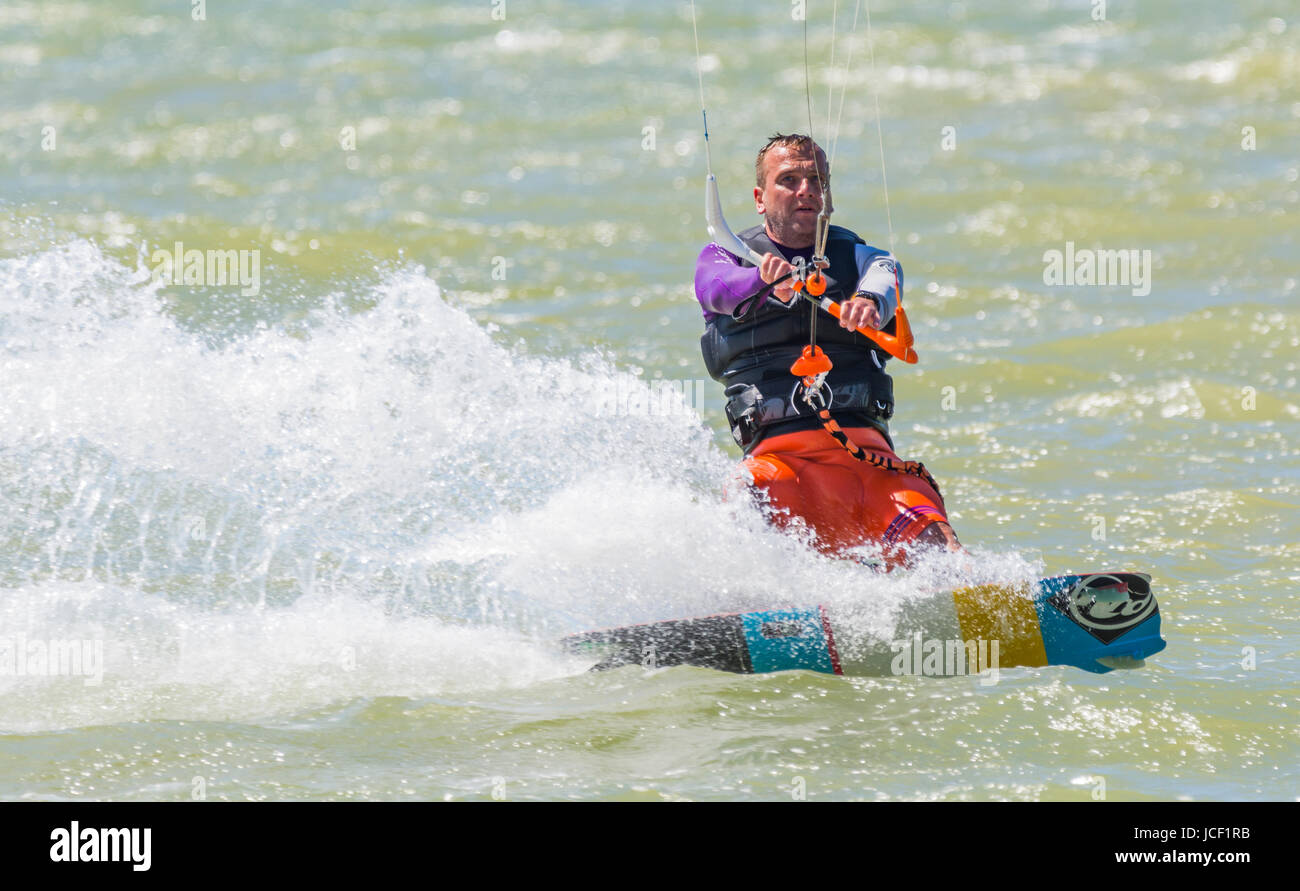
859	312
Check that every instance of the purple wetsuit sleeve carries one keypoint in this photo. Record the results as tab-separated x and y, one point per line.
721	282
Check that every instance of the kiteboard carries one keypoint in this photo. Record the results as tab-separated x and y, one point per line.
1094	621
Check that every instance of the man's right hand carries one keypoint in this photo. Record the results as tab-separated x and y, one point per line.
772	268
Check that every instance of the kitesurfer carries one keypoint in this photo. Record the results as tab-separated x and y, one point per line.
793	455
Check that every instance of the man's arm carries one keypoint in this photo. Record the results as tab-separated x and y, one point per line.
877	279
721	282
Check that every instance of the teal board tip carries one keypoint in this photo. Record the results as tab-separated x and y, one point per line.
1099	621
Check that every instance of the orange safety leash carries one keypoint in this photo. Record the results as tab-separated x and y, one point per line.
811	368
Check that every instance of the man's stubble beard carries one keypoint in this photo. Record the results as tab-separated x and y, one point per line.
784	233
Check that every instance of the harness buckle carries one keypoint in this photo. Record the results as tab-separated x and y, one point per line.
813	392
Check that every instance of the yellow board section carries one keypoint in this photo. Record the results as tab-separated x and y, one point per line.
1005	613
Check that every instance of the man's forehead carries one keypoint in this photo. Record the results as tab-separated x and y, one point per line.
794	158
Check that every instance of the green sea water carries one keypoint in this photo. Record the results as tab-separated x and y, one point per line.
326	525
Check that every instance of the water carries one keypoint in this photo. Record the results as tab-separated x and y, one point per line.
326	531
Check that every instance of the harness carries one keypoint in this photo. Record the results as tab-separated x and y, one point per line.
750	353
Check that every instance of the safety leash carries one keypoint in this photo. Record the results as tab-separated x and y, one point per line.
811	368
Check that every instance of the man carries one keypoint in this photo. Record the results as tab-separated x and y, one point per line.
846	500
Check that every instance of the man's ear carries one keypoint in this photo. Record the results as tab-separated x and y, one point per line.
758	200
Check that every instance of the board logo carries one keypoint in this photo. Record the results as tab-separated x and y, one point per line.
1107	606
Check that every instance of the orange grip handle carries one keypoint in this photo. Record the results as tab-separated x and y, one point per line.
897	345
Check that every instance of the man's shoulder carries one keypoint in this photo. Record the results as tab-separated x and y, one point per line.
869	253
864	252
840	233
714	253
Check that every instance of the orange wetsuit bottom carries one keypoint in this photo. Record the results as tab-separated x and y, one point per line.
846	501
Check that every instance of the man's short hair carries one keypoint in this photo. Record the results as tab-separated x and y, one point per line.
784	140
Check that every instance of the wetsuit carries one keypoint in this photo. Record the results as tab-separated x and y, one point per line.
805	472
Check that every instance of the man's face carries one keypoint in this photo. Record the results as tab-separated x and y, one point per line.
791	196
